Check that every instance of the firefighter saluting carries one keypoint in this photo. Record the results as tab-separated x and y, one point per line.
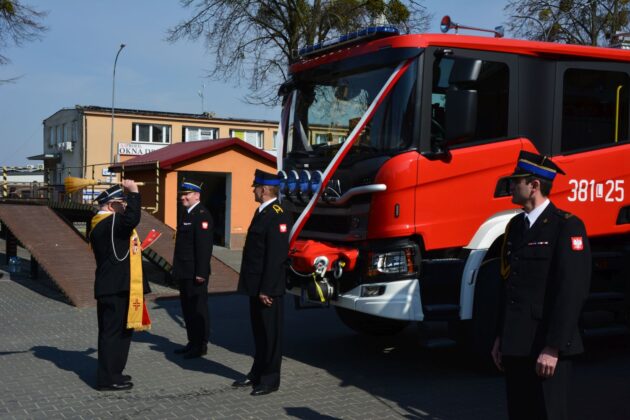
119	286
546	267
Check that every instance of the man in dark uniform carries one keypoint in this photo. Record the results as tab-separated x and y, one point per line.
546	267
191	268
112	229
263	279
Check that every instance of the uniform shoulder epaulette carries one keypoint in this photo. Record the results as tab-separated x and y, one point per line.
564	214
277	209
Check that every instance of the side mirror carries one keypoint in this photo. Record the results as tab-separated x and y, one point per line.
465	70
461	115
286	88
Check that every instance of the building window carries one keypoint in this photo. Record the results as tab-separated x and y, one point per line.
322	138
59	137
74	134
255	138
594	108
151	133
275	141
200	133
66	133
51	136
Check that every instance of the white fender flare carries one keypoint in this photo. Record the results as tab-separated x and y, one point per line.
483	239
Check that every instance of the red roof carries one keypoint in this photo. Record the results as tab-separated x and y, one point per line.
181	152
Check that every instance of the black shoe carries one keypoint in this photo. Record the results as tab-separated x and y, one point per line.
126	378
242	383
115	387
262	390
196	352
184	349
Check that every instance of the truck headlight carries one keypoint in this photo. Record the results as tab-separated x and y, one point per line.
394	262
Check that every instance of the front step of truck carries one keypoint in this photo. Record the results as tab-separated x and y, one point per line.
607	309
442	312
439	288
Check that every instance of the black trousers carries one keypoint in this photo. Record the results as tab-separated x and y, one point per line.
532	397
267	327
114	338
194	300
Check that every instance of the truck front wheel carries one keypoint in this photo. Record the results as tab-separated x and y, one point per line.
370	324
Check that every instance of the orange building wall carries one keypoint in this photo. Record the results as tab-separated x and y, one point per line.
242	205
98	128
241	166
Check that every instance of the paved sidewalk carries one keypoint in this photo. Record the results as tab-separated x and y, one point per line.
48	362
230	257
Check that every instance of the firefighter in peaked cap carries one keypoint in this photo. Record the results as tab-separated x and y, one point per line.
119	284
263	279
546	268
191	267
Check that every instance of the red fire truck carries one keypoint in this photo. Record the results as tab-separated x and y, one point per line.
395	152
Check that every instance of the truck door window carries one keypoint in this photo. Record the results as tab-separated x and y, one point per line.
594	108
492	86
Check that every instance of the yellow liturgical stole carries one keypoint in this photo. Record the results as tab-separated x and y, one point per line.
137	314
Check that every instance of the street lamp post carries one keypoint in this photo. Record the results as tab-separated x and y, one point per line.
111	155
545	32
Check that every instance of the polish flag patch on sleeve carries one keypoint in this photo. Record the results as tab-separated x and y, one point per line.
283	228
204	225
577	244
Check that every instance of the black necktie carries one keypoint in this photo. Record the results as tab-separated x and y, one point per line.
526	223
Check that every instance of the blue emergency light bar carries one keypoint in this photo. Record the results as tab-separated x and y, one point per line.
362	34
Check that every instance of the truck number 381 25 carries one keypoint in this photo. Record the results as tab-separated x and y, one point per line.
591	190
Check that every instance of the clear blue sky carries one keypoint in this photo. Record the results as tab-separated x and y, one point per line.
72	65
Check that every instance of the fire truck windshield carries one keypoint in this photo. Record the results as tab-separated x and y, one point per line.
323	111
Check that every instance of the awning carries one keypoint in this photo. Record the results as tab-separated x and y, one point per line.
44	156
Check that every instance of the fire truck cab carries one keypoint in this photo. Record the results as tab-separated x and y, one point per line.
396	151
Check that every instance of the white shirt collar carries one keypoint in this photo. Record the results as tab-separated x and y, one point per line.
104	212
265	204
189	209
534	214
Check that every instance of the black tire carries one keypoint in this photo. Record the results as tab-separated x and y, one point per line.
370	324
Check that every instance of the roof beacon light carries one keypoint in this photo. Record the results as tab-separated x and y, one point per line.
446	24
372	32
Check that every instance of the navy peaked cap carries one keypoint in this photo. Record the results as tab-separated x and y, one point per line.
190	185
532	164
112	193
265	178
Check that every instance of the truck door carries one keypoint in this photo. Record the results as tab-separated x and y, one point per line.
591	143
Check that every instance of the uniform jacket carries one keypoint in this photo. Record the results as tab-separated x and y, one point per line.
193	244
547	270
266	251
112	276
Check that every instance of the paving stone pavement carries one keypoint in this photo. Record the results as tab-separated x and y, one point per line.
48	362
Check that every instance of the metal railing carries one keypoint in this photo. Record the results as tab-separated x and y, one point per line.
49	191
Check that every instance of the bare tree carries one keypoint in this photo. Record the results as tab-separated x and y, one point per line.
585	22
255	40
19	23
